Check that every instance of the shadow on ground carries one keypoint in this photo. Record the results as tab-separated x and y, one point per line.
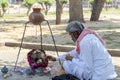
8	64
118	72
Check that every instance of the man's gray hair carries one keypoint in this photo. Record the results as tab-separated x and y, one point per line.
75	26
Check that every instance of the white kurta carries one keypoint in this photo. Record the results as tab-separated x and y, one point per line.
93	62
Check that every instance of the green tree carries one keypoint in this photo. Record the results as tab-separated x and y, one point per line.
97	6
76	11
59	9
28	4
91	2
3	4
46	4
63	2
107	3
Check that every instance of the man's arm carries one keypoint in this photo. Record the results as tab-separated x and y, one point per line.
51	58
65	56
73	53
61	57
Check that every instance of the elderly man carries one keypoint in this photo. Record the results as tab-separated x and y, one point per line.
89	60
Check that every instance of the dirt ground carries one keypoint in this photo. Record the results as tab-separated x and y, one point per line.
12	30
8	57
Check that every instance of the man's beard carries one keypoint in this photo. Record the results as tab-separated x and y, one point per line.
74	39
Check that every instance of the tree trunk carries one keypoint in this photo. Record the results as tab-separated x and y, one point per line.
58	12
0	14
106	6
46	9
28	11
97	8
75	10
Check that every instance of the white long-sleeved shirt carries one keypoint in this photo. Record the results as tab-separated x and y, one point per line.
94	62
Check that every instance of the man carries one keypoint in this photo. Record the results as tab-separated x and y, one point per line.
89	60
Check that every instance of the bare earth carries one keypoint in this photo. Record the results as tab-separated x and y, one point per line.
12	31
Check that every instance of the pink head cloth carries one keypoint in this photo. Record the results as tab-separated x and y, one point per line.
84	33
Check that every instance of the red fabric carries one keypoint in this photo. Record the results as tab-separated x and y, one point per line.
36	65
84	33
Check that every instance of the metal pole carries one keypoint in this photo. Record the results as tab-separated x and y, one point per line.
54	41
41	35
20	46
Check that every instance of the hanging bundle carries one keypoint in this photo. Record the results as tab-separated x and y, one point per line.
37	58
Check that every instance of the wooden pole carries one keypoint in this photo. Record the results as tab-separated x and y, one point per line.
50	47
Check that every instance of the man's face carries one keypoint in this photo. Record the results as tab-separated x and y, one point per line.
74	35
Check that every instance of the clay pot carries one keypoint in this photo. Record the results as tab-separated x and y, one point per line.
36	17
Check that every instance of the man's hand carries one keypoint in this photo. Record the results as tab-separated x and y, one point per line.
68	57
51	58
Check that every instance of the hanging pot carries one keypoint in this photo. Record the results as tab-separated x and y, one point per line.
36	17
